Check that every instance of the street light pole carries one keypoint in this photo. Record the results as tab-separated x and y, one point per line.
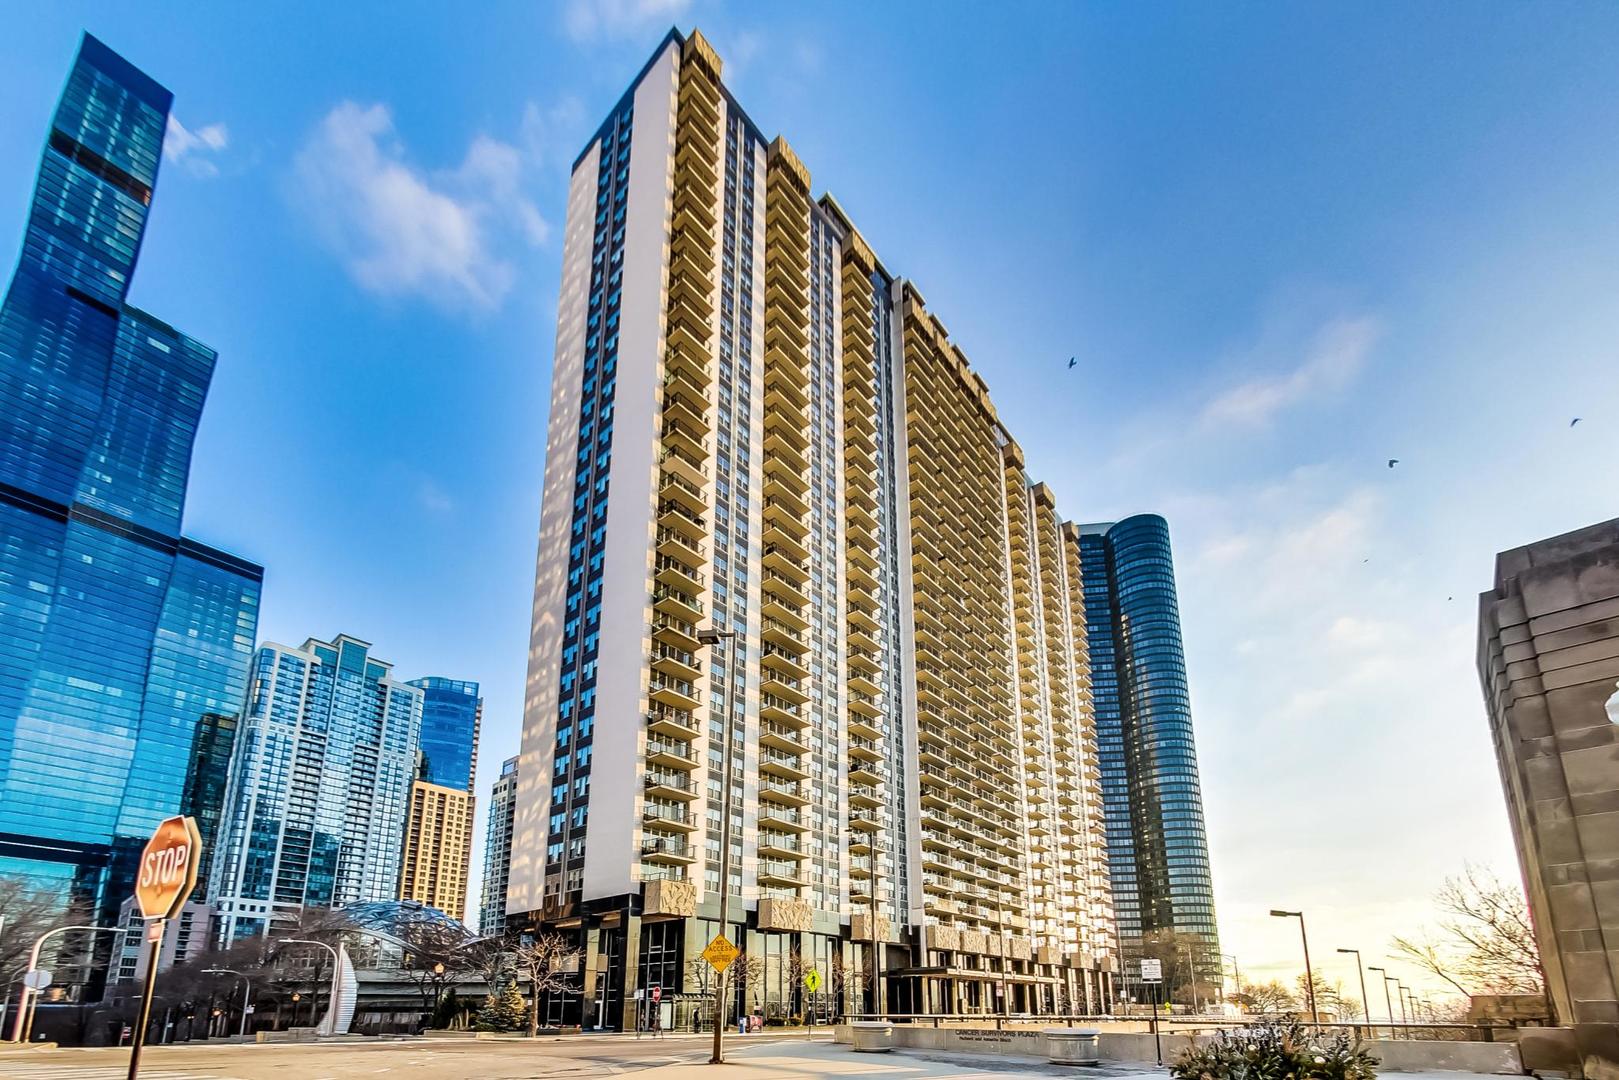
1365	1002
337	964
1236	972
711	637
1309	974
247	990
1388	1002
28	993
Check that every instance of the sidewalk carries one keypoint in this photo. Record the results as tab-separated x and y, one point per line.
812	1060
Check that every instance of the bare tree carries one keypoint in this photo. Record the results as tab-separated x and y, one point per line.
851	978
434	957
750	968
491	957
545	959
30	913
1486	942
1266	999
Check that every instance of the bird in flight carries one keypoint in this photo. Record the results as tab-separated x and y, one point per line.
1071	362
1393	461
1574	421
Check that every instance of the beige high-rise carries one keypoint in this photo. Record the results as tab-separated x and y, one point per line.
755	427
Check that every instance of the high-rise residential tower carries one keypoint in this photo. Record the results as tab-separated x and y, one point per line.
497	849
438	830
1548	658
1158	851
758	430
124	646
320	785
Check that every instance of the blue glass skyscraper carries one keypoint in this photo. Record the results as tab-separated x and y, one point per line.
451	711
120	640
1158	852
320	778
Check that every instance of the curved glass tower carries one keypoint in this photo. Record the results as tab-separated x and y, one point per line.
1158	852
124	645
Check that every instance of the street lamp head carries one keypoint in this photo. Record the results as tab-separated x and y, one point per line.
1355	951
1287	914
1369	967
710	635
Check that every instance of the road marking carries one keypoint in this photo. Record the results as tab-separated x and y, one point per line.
95	1072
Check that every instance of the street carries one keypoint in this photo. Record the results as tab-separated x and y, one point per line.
417	1059
677	1057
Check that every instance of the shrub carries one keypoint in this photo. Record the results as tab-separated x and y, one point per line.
504	1011
1276	1052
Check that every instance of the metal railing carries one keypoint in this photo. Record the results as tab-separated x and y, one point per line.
1360	1030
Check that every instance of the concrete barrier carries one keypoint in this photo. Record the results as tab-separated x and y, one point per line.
872	1036
1439	1055
1072	1046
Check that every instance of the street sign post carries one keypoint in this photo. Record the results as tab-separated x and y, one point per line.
1152	973
163	884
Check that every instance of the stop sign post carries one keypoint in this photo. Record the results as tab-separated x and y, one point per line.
163	884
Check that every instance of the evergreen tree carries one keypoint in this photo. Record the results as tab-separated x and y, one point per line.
504	1011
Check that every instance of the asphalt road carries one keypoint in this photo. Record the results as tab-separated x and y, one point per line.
405	1059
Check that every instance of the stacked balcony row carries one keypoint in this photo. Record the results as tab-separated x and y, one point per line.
676	692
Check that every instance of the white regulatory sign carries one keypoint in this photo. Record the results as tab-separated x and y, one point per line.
1152	971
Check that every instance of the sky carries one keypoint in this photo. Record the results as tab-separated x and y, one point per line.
1283	243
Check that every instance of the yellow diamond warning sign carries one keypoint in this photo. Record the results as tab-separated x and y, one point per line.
720	953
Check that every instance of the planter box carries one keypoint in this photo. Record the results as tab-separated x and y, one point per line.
1073	1046
872	1036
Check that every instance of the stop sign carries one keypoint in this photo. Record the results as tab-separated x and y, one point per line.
168	868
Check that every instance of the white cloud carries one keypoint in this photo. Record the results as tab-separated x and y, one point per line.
401	230
432	497
1336	355
591	20
195	150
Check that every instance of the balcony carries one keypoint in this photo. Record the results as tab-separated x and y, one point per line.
677	602
780	873
783	791
786	661
677	693
787	444
675	631
782	737
675	488
669	785
667	849
672	515
677	723
678	544
781	711
779	845
781	763
864	795
677	755
666	816
678	574
775	607
781	817
772	681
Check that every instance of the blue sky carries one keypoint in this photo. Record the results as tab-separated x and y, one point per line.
1286	243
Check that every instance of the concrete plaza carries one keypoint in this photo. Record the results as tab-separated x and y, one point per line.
677	1057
